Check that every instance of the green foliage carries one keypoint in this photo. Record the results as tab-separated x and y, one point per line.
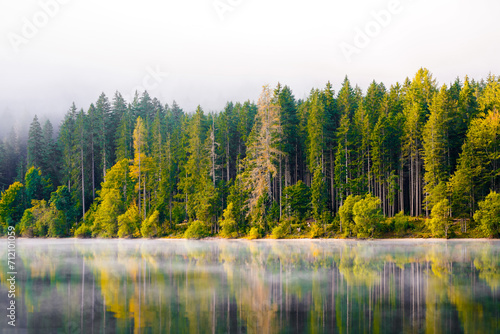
128	223
196	230
228	223
12	205
238	196
64	202
367	214
346	214
35	145
401	222
436	146
178	212
440	221
105	222
150	226
488	214
282	230
297	200
84	231
43	220
27	223
254	233
316	231
478	166
318	195
411	145
36	186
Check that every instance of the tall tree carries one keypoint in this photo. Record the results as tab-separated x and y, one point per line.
51	156
262	157
104	138
35	144
66	141
479	163
141	164
436	147
418	96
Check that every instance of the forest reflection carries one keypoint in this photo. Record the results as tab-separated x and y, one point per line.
178	286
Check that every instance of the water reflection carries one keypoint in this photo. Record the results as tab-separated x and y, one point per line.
177	286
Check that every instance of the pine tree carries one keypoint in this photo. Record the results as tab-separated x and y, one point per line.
123	139
80	148
66	141
418	95
35	144
332	123
478	165
104	138
319	196
436	147
50	156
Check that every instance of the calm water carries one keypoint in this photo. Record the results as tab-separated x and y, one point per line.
177	286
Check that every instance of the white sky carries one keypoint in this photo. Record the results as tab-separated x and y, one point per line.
91	46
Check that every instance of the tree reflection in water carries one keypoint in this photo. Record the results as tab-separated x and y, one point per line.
178	286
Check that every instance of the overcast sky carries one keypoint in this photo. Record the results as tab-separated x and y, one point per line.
207	52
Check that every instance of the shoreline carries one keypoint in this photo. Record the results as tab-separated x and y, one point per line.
265	239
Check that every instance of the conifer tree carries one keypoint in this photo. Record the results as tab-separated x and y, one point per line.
35	144
436	147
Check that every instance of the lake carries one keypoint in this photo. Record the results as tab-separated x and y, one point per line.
262	286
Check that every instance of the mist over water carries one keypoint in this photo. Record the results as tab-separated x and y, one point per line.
214	286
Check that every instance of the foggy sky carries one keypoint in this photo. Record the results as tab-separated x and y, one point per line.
208	52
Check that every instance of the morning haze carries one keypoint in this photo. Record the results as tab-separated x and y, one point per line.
54	52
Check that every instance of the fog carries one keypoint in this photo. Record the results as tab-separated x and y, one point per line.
55	52
268	286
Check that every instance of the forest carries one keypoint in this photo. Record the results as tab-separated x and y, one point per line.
412	159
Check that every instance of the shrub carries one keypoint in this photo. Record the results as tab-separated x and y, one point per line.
254	233
440	218
316	231
196	230
105	223
83	231
228	224
346	215
149	227
282	230
27	223
367	214
56	221
488	214
128	222
386	226
401	222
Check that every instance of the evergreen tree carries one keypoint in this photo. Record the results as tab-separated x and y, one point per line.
418	96
50	155
35	144
488	214
66	142
478	165
436	147
319	197
104	138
